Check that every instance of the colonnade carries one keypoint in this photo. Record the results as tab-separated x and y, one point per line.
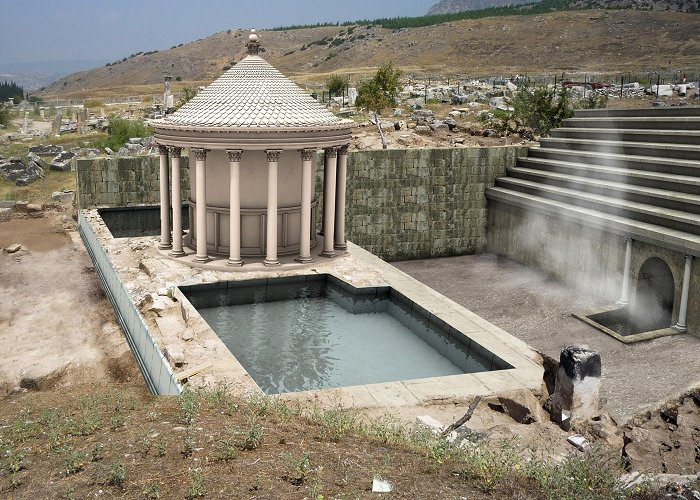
335	179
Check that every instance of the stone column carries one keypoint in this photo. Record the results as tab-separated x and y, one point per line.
175	155
329	186
273	156
307	156
201	176
341	180
625	296
234	158
681	325
164	199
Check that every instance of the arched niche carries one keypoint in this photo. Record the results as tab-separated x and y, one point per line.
654	295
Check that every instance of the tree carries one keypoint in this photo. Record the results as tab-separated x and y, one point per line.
540	109
336	84
380	93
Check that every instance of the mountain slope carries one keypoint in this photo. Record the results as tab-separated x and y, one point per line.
566	41
454	6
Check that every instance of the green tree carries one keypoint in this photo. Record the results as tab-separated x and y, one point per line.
5	115
380	93
187	94
121	129
541	109
336	84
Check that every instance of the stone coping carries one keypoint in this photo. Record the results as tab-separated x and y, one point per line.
152	280
625	339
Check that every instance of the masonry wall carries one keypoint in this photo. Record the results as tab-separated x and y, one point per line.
401	204
585	257
122	182
419	203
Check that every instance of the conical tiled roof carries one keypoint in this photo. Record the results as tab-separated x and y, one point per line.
253	95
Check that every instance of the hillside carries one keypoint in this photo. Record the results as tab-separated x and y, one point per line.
593	41
454	6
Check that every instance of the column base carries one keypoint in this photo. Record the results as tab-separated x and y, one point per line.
328	254
303	260
165	246
340	246
234	262
177	253
271	263
202	259
679	328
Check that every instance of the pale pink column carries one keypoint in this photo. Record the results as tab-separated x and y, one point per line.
341	180
273	156
307	156
201	233
331	156
234	158
175	155
164	200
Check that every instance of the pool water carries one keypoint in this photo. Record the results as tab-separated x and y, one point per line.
307	334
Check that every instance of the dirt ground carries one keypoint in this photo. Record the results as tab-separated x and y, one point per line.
55	322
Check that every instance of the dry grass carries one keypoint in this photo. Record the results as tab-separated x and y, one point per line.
124	442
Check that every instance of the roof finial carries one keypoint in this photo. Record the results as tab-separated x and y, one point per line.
253	43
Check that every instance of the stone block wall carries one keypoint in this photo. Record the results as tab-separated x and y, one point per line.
401	204
122	182
419	203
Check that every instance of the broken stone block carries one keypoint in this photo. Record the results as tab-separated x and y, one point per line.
14	248
63	196
34	207
429	423
577	387
62	162
578	441
522	406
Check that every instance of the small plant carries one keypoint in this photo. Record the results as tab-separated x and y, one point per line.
189	406
116	474
253	436
540	109
161	446
150	492
146	446
196	489
13	462
300	468
96	453
73	462
152	416
117	421
227	449
335	422
188	444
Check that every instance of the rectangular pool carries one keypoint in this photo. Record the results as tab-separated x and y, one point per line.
138	221
313	332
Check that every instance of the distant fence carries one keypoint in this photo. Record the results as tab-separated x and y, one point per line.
155	369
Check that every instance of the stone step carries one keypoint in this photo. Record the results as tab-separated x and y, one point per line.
671	182
636	122
674	239
680	151
630	135
670	111
652	163
674	219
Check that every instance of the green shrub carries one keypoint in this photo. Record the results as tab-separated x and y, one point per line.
540	109
120	130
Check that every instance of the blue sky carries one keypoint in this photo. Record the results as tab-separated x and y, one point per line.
101	31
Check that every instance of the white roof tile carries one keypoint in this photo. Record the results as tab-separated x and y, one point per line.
253	94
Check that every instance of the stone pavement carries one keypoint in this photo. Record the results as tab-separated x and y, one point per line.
536	309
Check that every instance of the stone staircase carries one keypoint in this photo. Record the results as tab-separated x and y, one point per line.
632	172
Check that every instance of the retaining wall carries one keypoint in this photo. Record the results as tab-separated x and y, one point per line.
401	204
588	258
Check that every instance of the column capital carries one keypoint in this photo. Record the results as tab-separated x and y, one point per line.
175	152
688	257
331	152
235	155
343	150
307	154
162	150
273	155
200	154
